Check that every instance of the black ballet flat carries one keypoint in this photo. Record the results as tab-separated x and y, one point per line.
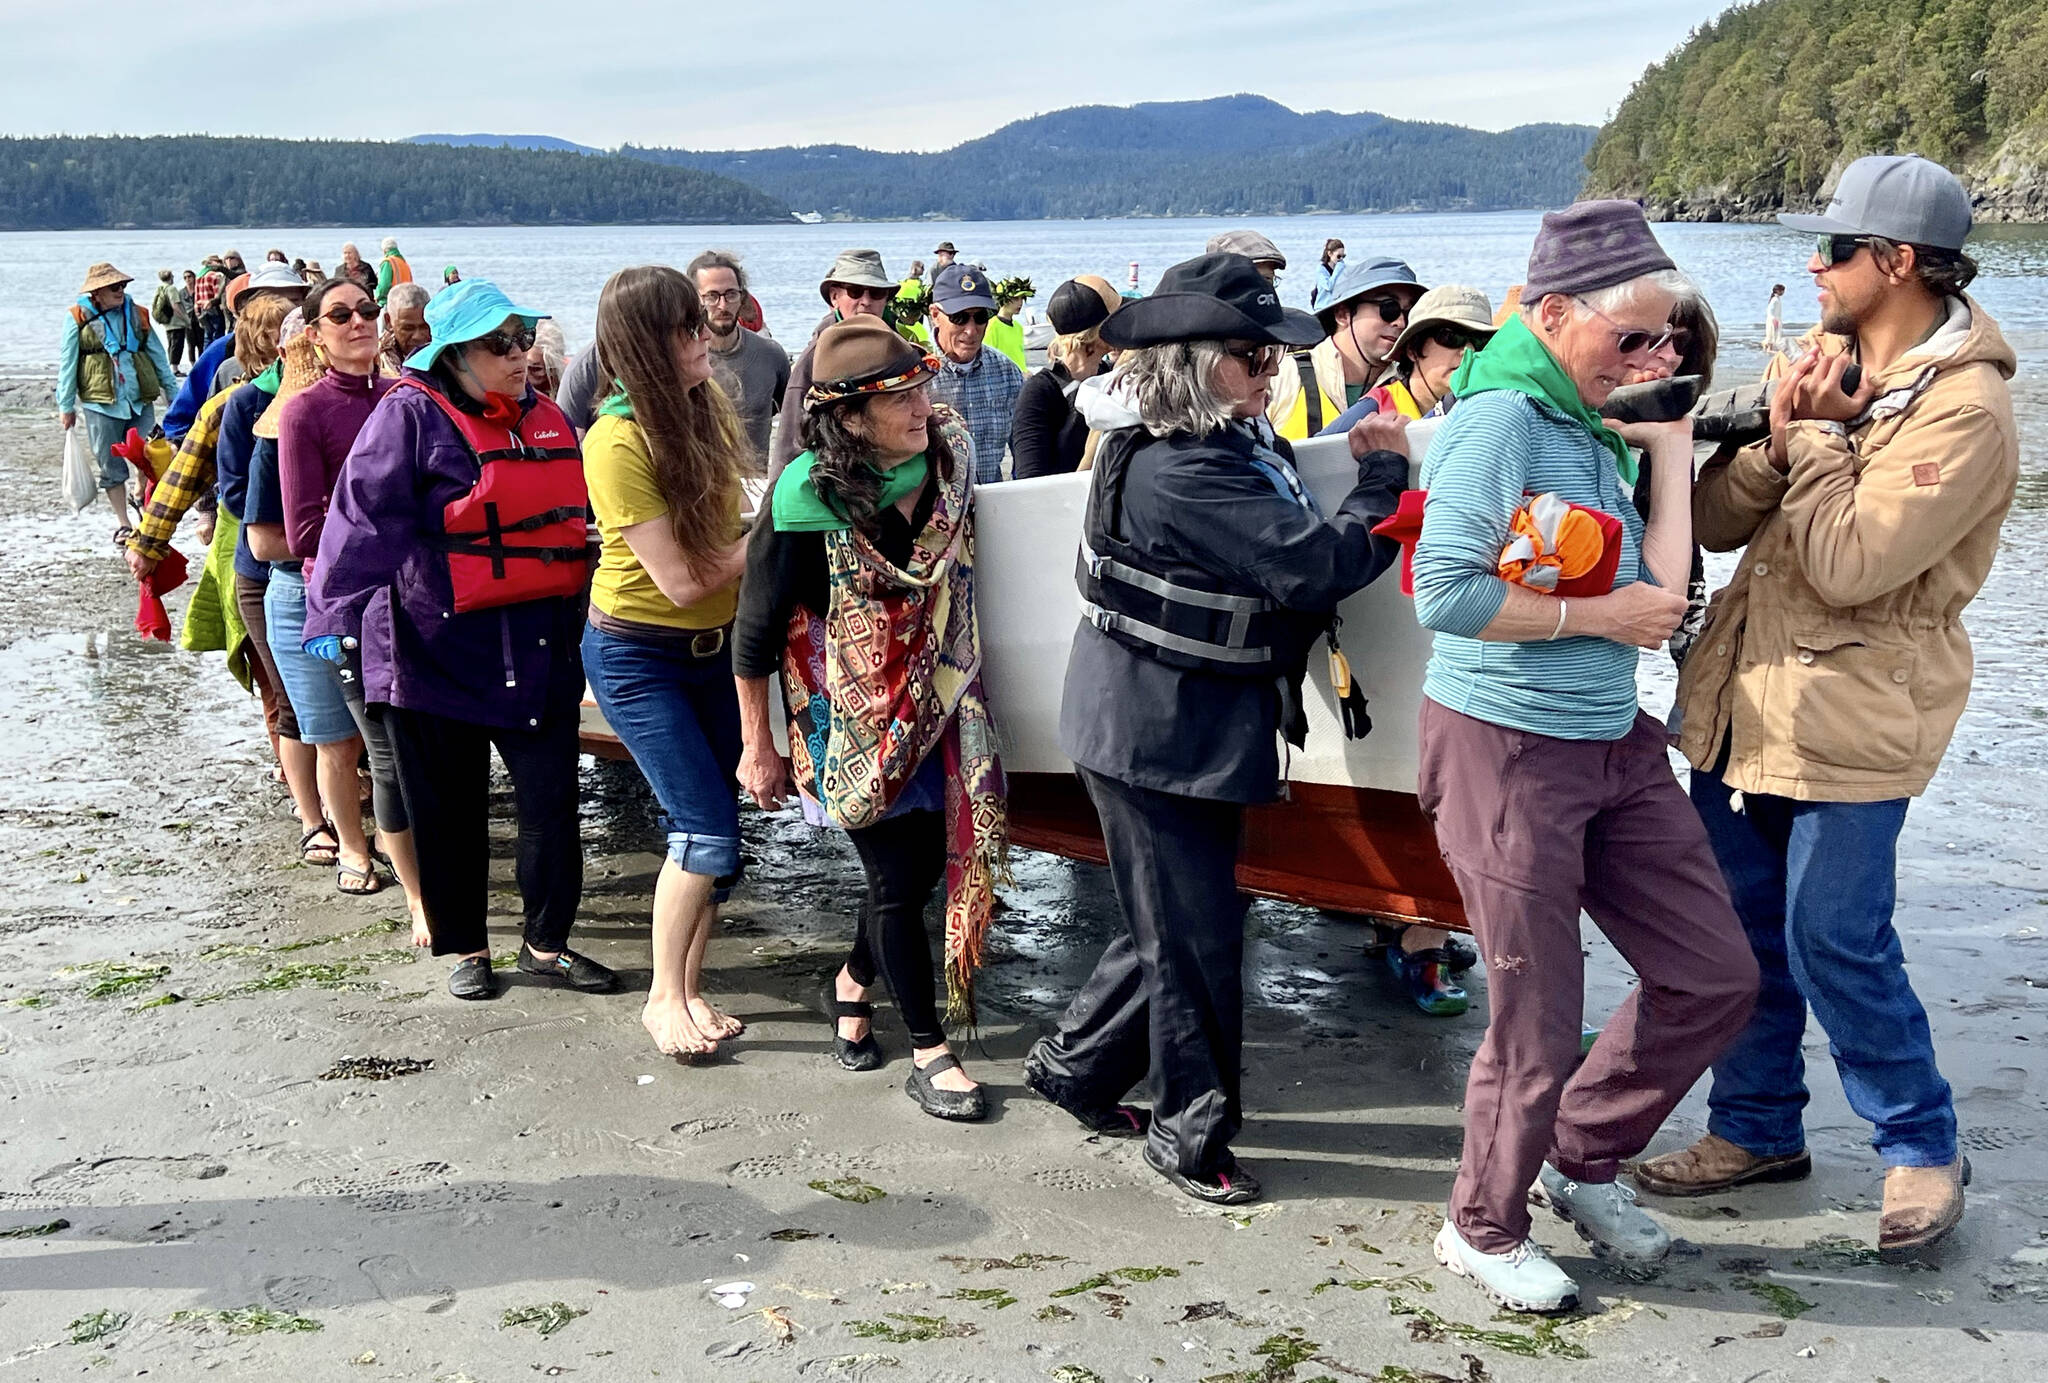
864	1055
961	1106
1230	1184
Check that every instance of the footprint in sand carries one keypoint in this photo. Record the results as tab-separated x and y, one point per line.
398	1282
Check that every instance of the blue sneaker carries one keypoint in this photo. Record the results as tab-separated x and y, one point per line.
1426	977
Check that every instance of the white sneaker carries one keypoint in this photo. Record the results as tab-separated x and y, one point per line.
1606	1216
1522	1279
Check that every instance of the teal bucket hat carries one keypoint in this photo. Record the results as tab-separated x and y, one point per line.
463	312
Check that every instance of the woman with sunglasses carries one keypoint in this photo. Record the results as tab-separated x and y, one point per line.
1550	790
663	460
1211	573
453	560
329	390
859	590
1694	343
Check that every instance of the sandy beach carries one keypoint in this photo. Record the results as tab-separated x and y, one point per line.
244	1133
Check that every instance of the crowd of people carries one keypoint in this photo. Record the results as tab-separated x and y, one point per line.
440	528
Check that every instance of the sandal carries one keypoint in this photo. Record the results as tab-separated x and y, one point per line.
311	852
370	880
864	1055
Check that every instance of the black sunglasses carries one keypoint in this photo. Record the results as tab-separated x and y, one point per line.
859	292
1390	309
367	309
973	316
1258	360
1840	249
502	343
1451	339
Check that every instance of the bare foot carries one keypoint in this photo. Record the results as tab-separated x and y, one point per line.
714	1022
954	1079
668	1022
422	936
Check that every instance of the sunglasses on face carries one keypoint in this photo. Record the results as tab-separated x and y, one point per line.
1630	340
1679	341
1840	249
972	317
367	309
1451	339
502	343
1258	360
1391	310
873	295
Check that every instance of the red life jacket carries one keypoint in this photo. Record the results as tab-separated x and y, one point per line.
520	533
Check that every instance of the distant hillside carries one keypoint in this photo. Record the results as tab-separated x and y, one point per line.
1761	108
504	141
196	180
1233	154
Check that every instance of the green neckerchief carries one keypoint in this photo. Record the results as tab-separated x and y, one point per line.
1515	359
616	404
270	378
800	509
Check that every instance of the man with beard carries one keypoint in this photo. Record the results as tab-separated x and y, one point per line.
753	370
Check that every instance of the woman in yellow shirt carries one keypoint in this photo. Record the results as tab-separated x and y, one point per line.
663	464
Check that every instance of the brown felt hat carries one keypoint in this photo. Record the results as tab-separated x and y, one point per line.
864	355
104	275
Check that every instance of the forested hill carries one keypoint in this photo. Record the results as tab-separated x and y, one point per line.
1233	154
1760	107
196	180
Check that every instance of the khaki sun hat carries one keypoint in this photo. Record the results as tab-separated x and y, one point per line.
104	275
856	269
1450	304
302	370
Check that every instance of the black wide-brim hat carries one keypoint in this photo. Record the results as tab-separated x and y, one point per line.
1214	297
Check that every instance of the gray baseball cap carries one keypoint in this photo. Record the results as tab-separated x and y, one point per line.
1901	197
1249	243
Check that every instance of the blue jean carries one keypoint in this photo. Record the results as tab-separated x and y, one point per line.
1814	884
679	717
103	432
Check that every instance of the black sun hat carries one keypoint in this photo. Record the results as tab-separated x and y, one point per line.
1212	297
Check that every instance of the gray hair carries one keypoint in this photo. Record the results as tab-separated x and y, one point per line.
1173	387
390	242
717	259
1621	296
406	295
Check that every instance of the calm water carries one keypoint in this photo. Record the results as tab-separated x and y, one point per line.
560	270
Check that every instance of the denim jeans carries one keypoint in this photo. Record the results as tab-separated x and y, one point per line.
1814	884
679	717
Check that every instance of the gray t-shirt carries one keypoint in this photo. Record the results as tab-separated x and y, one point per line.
754	377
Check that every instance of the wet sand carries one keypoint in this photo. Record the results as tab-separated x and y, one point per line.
195	1158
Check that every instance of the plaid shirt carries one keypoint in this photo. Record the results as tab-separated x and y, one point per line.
984	393
206	291
189	480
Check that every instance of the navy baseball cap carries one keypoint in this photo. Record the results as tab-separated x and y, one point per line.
961	288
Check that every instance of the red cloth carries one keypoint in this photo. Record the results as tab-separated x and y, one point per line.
152	621
751	317
1404	526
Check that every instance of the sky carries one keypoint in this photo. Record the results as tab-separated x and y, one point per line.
768	72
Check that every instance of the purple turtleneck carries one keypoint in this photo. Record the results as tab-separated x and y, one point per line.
314	434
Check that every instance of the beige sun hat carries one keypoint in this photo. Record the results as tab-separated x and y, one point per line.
856	269
1450	304
104	275
302	369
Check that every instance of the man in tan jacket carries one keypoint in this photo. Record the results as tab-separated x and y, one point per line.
1823	691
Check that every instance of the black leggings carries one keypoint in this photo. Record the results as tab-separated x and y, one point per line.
905	859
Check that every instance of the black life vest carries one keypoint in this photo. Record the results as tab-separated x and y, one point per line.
1186	621
520	533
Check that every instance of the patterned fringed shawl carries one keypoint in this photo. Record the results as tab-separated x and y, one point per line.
891	674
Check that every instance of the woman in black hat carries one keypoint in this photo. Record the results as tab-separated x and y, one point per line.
1208	571
1047	433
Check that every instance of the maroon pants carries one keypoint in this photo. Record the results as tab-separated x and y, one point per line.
1535	829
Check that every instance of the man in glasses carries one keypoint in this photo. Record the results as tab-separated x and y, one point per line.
977	380
1362	317
855	286
1819	699
752	369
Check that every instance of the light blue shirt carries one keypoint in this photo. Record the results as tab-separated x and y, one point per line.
116	331
1495	450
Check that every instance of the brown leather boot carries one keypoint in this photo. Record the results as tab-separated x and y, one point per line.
1713	1165
1921	1206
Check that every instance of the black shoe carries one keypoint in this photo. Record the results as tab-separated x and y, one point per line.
471	979
1459	953
1229	1184
963	1106
577	972
1108	1121
864	1055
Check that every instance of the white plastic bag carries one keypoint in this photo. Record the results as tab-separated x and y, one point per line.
81	476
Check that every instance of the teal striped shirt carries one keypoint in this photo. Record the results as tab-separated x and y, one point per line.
1495	449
